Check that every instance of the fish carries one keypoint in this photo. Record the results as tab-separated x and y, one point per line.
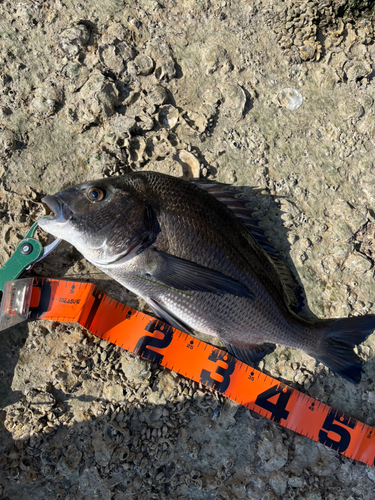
195	253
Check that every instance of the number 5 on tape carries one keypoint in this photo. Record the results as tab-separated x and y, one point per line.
334	423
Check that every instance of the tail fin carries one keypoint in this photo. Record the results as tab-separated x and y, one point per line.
340	338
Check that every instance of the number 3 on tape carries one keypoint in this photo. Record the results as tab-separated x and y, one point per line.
219	379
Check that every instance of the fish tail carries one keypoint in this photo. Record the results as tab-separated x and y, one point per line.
340	336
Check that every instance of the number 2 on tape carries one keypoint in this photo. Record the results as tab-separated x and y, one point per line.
146	343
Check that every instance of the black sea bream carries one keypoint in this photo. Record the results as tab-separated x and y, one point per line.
183	248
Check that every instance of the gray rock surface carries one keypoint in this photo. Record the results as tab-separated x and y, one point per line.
190	88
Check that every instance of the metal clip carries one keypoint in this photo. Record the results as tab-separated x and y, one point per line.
28	252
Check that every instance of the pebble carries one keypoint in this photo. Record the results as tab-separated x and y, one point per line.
111	57
290	99
350	109
358	263
271	451
73	39
144	64
96	100
189	163
168	116
7	141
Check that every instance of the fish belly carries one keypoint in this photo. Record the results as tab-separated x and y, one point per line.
230	318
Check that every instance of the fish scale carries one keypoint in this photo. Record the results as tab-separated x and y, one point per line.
183	248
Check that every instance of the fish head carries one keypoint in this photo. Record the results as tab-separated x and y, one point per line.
106	220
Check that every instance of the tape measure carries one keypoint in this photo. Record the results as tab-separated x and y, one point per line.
152	339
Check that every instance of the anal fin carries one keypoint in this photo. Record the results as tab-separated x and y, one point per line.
250	354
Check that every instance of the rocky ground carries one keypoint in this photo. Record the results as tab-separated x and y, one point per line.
189	88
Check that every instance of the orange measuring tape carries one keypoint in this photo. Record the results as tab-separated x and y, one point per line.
145	336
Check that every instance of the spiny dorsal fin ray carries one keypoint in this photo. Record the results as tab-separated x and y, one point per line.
227	195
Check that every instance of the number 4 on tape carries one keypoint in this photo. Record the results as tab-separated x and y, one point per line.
275	400
152	339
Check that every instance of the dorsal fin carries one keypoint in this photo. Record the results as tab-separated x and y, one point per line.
226	194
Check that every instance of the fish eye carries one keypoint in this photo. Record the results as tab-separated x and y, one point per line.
95	194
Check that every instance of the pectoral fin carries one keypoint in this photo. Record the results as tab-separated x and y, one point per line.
183	275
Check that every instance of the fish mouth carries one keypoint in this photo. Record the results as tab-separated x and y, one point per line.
59	208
